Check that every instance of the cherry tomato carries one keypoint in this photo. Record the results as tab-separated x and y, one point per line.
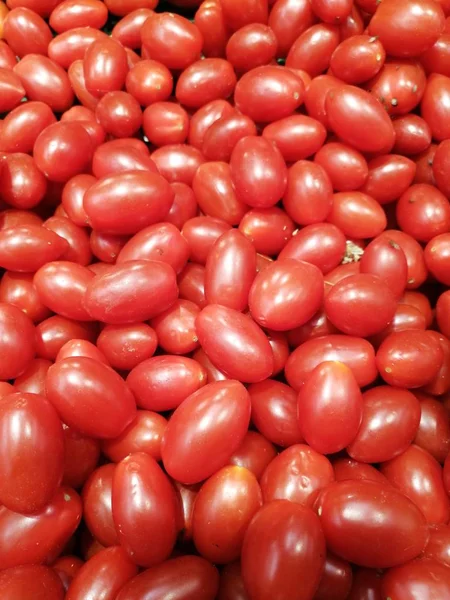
205	430
346	167
165	123
81	457
283	552
182	578
357	59
336	581
359	519
78	239
269	229
19	290
410	579
417	465
105	67
407	28
269	93
17	343
438	544
224	507
178	162
288	19
251	46
126	346
433	434
234	343
121	8
162	383
26	32
127	30
409	358
11	90
97	505
31	581
434	106
205	80
423	212
308	197
74	13
358	215
297	137
146	525
313	49
22	125
390	421
255	453
107	404
149	81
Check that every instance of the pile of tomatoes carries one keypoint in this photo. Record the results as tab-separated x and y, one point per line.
224	303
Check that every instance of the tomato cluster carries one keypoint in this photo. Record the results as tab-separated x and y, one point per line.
224	300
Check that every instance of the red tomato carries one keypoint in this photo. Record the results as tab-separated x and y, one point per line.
254	454
423	212
346	167
288	19
330	407
296	474
417	272
407	28
440	165
269	229
220	139
165	123
230	270
78	13
358	215
127	30
274	412
40	537
283	553
308	197
433	434
119	114
357	59
31	430
81	457
205	80
269	93
298	288
146	523
371	524
31	581
409	359
234	343
251	46
162	383
336	579
107	405
313	49
178	162
105	67
413	466
435	107
182	578
126	346
26	32
17	343
438	547
359	120
356	353
205	430
19	290
97	505
122	8
414	577
11	90
223	509
390	420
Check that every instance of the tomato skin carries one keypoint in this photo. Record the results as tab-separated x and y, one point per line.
165	123
17	344
366	585
97	505
239	14
144	434
127	194
417	465
72	13
356	353
54	332
8	59
11	89
358	215
390	421
105	574
329	420
438	547
347	468
146	530
296	474
385	258
108	405
397	20
398	358
104	67
124	8
288	19
308	197
234	343
254	454
149	81
191	452
440	166
127	30
313	49
72	44
283	553
31	581
155	282
360	305
269	93
299	289
122	154
415	578
336	581
417	271
40	537
368	129
178	162
357	59
26	249
210	20
79	249
349	509
201	234
274	412
119	114
389	177
205	80
433	434
251	46
81	457
412	135
125	346
269	229
297	137
19	290
171	40
30	429
258	172
162	383
435	59
224	507
423	212
26	32
183	578
230	270
434	106
346	167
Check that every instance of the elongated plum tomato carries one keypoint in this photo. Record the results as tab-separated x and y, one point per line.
371	524
330	407
31	452
146	522
90	396
283	552
298	288
131	292
17	341
234	343
358	119
205	430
